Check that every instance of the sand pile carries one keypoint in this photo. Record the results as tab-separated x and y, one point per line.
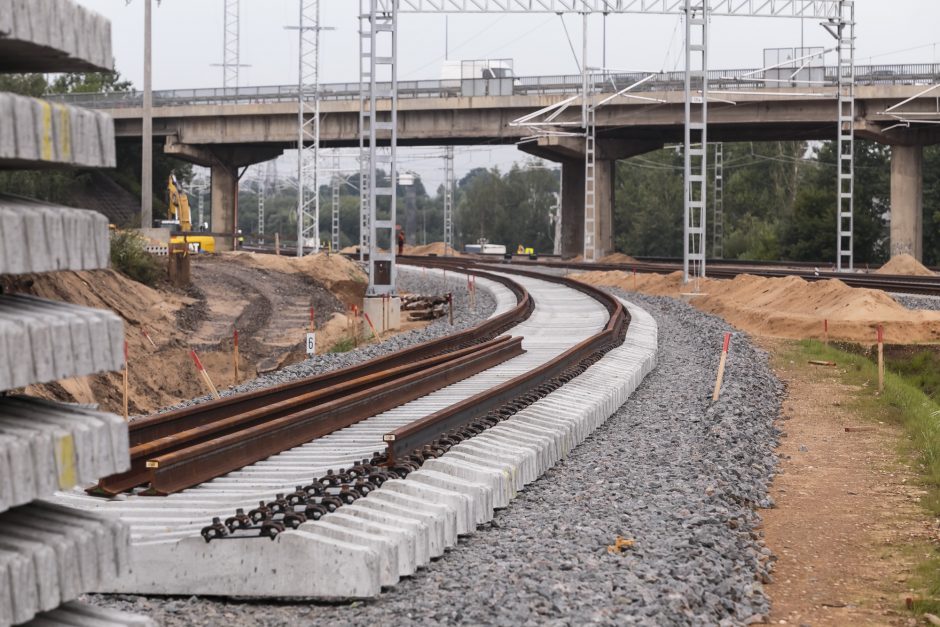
434	248
617	258
790	307
906	265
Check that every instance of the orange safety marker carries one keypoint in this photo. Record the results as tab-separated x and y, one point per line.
204	374
147	335
235	355
881	359
371	326
721	367
126	414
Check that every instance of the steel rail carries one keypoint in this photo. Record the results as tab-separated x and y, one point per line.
178	470
240	418
172	422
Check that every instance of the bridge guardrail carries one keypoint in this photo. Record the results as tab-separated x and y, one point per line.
744	79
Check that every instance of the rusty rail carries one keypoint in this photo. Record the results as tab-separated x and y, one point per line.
175	450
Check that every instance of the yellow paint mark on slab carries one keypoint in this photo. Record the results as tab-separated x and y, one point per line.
65	461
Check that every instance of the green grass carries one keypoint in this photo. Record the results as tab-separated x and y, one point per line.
905	403
343	346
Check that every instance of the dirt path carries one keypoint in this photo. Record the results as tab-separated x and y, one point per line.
847	524
270	310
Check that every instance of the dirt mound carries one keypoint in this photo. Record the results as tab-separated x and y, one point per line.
789	307
617	258
337	273
906	265
434	248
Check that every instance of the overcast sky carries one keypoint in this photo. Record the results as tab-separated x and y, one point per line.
188	37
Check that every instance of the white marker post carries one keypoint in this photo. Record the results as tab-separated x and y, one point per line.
721	367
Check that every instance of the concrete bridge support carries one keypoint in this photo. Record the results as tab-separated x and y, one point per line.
572	207
224	203
907	201
569	152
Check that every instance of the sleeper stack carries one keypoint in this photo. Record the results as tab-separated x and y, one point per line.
50	554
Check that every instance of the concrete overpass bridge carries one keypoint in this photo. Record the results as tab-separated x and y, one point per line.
225	129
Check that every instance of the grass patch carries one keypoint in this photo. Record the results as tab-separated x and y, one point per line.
343	346
906	403
129	256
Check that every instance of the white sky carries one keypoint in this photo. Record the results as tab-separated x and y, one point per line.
188	38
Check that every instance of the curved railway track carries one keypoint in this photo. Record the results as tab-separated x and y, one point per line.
354	446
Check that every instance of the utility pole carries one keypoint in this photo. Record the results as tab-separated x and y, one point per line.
146	171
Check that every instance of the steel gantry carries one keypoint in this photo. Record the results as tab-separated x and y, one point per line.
308	121
718	202
695	146
448	200
696	14
231	62
378	72
335	183
843	29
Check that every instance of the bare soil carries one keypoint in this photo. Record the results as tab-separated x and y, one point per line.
847	530
267	298
789	307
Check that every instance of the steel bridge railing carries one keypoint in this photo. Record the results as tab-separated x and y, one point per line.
745	79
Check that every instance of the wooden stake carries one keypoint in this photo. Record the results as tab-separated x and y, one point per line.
126	394
450	305
313	321
235	355
372	326
721	367
356	324
881	359
277	244
204	375
634	279
826	331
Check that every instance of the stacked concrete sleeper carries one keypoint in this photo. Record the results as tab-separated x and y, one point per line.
50	554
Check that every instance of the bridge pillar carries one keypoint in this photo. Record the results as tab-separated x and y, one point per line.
907	201
224	203
572	207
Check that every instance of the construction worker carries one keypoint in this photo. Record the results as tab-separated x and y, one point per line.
401	240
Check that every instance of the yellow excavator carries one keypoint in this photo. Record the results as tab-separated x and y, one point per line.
180	221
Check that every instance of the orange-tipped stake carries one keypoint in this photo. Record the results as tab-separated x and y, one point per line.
147	335
721	367
204	374
372	326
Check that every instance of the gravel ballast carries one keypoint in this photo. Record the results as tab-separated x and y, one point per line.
914	301
679	476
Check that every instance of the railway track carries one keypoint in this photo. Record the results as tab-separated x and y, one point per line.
393	484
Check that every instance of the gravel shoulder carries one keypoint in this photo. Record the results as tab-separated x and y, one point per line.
678	475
